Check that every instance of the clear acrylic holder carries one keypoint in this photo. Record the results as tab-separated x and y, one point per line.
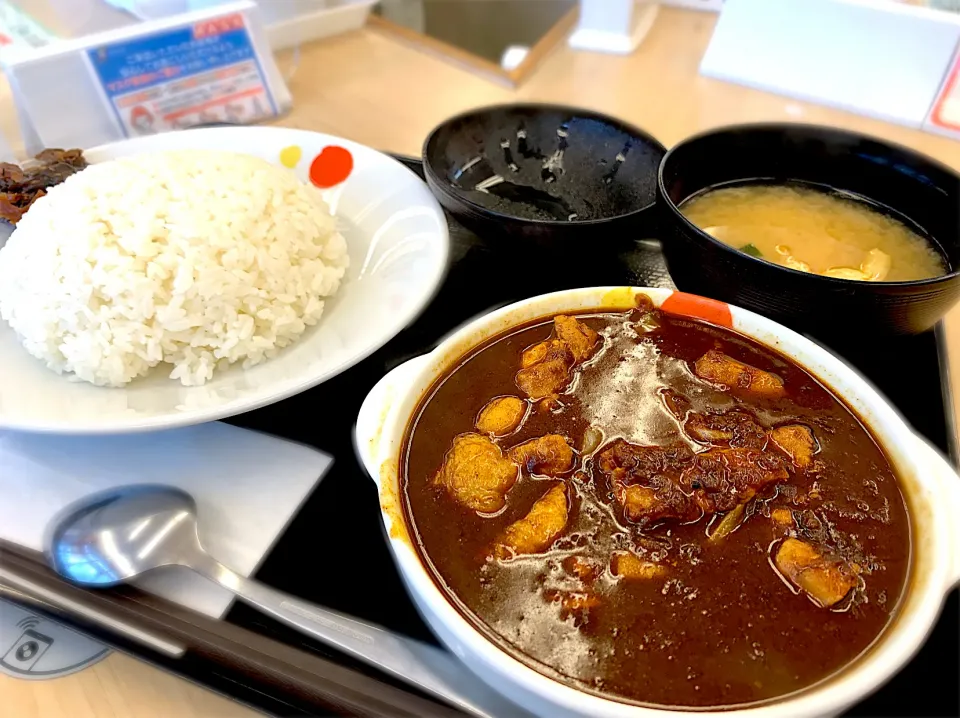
62	101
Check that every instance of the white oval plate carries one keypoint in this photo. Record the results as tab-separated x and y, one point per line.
398	243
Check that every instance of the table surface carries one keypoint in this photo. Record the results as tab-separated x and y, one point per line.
374	89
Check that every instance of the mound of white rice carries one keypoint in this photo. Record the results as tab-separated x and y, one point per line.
195	258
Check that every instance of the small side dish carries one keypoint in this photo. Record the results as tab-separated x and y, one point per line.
541	175
197	259
811	229
655	509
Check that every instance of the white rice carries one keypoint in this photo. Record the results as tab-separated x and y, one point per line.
194	258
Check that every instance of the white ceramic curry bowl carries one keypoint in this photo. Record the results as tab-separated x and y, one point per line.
929	484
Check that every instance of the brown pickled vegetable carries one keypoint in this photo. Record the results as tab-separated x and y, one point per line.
730	522
21	186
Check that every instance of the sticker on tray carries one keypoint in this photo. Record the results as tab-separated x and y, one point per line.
32	647
331	167
690	305
290	156
199	74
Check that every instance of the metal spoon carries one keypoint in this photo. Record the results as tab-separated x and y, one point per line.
115	536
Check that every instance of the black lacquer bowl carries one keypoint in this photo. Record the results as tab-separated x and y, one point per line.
545	175
925	193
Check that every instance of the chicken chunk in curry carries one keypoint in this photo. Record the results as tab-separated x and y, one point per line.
647	505
796	441
627	564
732	428
782	518
654	483
827	581
720	479
718	368
502	416
549	455
546	367
477	474
538	529
581	339
645	481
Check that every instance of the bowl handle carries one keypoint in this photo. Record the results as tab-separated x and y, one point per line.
948	478
376	407
952	482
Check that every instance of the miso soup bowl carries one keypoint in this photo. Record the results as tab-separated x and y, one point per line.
929	484
919	190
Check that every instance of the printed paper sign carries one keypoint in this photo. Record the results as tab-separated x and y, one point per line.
203	73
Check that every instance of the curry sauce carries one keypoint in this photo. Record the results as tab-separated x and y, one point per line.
657	509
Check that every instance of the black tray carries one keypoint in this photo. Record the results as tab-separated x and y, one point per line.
334	553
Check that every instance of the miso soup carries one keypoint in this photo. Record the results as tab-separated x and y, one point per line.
814	230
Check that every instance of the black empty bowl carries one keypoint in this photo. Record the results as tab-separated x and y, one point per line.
544	173
925	192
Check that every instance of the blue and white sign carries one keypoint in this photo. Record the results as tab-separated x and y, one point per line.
205	72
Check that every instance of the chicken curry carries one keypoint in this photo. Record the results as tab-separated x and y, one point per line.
656	509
